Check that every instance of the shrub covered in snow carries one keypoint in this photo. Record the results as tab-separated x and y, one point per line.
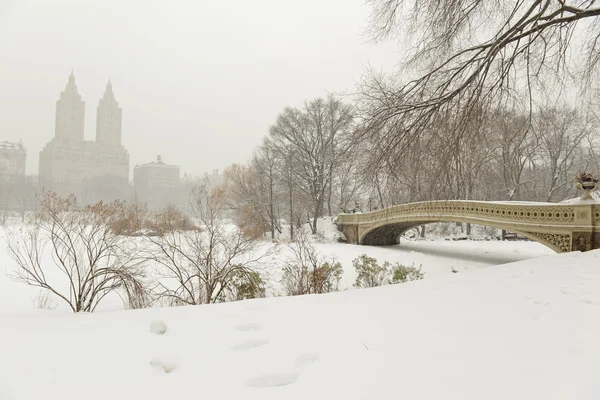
306	271
402	273
371	274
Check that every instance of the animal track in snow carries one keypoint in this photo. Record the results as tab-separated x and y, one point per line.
273	380
248	327
250	344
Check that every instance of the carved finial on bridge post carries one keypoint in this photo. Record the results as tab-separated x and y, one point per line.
586	182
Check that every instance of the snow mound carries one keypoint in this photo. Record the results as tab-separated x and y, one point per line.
525	330
163	365
158	327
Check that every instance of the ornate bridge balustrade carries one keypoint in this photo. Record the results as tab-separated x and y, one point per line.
562	227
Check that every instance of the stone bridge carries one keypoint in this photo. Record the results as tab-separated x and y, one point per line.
562	227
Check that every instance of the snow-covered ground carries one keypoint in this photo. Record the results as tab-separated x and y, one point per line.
524	330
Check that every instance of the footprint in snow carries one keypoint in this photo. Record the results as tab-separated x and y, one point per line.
163	365
250	344
306	359
248	327
566	291
273	380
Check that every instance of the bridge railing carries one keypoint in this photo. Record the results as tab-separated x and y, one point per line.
518	212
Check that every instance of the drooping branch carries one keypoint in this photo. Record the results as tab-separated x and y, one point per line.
472	74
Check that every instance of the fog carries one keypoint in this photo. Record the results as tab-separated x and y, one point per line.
199	82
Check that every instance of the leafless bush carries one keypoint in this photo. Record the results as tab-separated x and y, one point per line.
170	219
306	271
44	301
251	221
94	261
133	217
206	265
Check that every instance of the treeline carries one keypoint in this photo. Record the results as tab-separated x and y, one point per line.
313	162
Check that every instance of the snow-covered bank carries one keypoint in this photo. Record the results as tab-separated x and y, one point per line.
527	330
435	258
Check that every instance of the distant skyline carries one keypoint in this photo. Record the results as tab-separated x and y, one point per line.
199	83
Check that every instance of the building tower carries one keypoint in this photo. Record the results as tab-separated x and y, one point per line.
108	119
70	114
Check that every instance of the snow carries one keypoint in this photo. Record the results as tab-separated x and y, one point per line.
527	329
578	200
158	327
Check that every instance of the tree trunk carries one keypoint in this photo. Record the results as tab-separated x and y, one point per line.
329	199
291	214
271	204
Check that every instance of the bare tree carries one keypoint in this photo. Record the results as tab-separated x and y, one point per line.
206	265
560	134
473	53
314	139
94	261
254	193
514	147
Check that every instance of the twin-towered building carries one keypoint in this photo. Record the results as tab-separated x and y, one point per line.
99	170
92	170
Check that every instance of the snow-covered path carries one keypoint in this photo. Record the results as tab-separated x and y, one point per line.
437	257
527	330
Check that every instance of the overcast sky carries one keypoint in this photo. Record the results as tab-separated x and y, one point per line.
199	81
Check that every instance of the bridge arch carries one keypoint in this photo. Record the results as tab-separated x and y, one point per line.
561	227
390	234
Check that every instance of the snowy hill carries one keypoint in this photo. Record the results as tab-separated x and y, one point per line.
526	330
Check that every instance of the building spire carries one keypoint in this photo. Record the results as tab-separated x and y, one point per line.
71	78
70	113
108	119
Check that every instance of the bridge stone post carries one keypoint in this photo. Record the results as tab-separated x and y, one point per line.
586	239
350	230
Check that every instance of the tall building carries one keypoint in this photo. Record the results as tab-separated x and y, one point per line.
92	170
12	159
155	182
109	119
